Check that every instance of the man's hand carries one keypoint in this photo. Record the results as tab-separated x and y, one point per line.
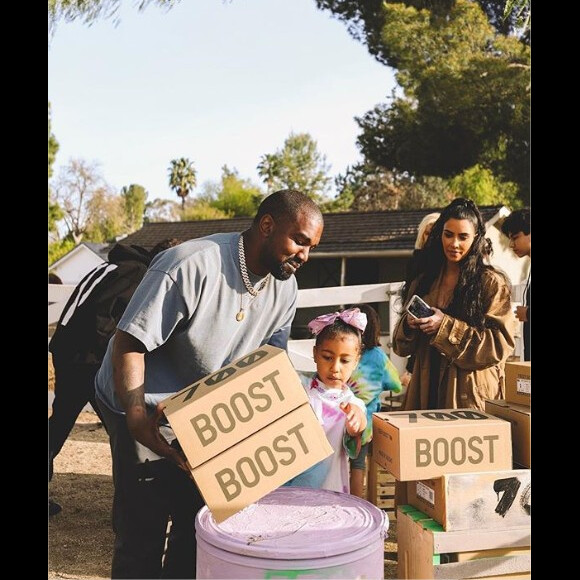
129	378
145	430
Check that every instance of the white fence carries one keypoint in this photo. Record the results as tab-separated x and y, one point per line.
300	351
58	294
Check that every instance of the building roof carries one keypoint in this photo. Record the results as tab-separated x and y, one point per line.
349	233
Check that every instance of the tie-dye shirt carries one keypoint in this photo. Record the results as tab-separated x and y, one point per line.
333	472
374	374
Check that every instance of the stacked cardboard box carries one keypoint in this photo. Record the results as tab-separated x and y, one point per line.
246	429
457	465
489	500
416	445
518	383
516	409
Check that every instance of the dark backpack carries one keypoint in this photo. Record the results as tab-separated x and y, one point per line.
92	313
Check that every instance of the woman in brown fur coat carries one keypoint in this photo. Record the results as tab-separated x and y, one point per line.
461	349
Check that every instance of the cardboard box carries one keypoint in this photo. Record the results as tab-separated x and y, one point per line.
425	550
520	418
264	461
518	382
246	429
426	444
466	501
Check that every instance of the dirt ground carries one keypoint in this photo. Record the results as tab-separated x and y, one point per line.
80	536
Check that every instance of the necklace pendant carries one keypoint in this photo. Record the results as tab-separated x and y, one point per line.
240	315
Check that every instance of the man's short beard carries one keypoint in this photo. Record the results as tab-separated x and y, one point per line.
280	273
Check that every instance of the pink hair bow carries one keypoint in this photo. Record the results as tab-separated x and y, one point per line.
352	316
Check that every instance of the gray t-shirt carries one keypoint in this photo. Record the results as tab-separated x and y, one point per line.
184	312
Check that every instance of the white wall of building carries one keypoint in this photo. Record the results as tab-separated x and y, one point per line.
73	267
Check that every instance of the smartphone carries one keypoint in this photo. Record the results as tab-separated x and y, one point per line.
418	308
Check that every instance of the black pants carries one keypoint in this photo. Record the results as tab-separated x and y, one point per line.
149	490
74	387
527	342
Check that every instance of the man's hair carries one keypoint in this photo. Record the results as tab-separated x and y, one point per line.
517	221
287	204
164	245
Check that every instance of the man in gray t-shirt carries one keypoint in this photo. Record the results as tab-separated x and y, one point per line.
200	305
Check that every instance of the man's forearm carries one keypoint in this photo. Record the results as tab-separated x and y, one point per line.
133	398
129	371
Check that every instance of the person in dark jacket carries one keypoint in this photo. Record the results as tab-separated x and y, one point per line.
80	340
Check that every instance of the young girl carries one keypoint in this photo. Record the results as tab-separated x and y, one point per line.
336	353
374	374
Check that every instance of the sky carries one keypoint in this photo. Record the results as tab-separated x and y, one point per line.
221	83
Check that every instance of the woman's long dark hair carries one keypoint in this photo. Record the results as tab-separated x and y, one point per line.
467	302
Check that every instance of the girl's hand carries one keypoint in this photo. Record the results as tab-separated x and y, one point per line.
356	419
431	324
406	379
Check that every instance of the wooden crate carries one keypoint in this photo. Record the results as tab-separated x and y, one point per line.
425	550
380	487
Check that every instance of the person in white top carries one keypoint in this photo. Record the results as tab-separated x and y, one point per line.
342	415
517	228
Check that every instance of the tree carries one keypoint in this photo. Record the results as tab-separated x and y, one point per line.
58	249
236	196
298	165
55	212
367	187
465	102
366	20
231	197
425	192
182	178
370	188
481	186
134	199
162	210
53	145
78	182
268	169
107	218
202	210
88	11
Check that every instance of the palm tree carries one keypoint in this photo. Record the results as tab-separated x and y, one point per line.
269	170
182	177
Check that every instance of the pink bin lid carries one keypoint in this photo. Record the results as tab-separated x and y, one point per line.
296	523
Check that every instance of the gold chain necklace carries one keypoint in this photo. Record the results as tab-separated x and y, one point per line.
246	279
